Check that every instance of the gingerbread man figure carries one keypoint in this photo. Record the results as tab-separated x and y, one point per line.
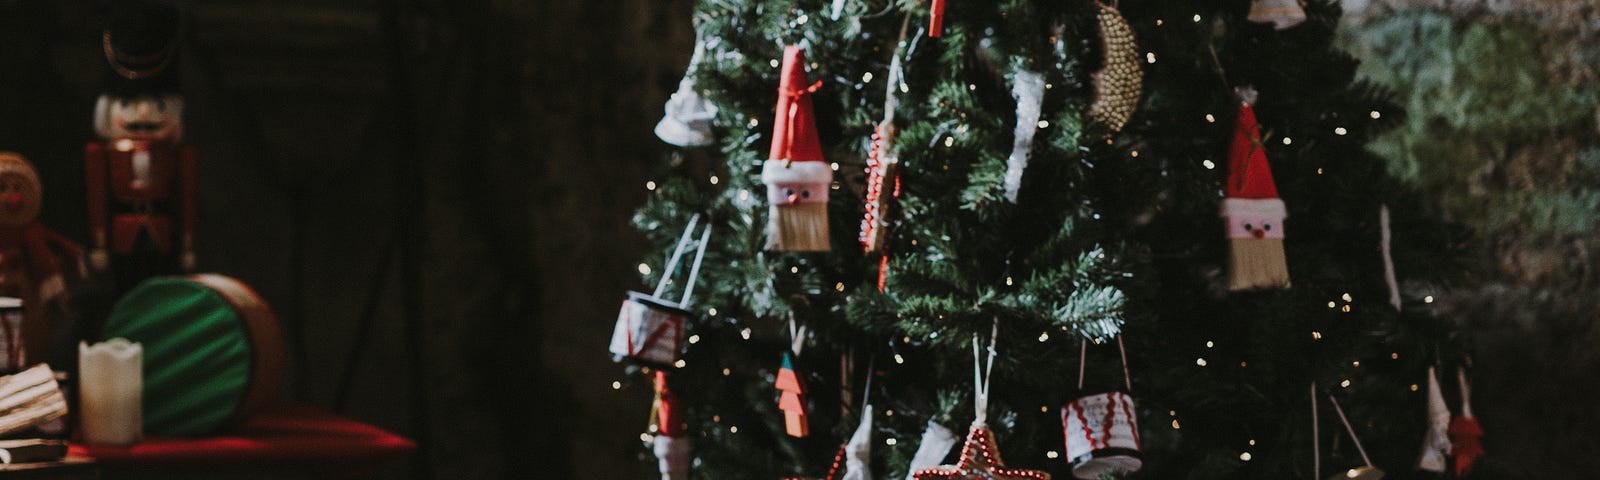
31	258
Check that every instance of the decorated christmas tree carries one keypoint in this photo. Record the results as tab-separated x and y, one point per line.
1080	205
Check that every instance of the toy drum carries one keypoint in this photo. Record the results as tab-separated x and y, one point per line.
213	351
649	330
1101	435
650	327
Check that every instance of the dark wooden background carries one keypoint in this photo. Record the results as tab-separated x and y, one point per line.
434	196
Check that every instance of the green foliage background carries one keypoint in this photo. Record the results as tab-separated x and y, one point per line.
1114	233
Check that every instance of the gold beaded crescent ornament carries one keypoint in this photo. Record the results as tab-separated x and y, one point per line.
1118	82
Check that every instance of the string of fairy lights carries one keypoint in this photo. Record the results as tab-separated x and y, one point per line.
1343	304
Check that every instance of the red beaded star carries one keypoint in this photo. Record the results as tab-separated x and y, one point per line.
980	460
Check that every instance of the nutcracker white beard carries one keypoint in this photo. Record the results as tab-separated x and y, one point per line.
799	227
144	117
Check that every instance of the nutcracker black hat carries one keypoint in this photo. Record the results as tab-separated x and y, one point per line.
140	42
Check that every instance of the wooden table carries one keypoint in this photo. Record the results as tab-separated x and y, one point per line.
291	439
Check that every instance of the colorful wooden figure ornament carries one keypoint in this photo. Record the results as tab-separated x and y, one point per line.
671	443
792	389
649	327
796	176
1252	209
139	177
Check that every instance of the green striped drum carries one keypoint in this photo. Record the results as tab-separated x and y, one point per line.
213	351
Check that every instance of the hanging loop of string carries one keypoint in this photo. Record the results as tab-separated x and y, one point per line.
671	268
677	254
1351	430
1122	351
694	270
1316	438
797	336
980	374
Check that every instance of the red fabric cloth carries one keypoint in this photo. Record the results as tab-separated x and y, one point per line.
794	129
1249	176
1464	435
284	438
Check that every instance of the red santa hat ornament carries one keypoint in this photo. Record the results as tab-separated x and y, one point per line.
1252	209
796	176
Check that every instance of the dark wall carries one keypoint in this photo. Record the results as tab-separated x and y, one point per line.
433	195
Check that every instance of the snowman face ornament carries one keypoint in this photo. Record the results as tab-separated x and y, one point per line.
143	117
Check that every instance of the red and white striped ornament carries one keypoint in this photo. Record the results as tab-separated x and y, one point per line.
649	327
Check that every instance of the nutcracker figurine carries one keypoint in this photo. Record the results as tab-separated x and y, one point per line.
138	175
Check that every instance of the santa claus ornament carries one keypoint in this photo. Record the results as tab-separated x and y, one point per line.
649	327
139	177
32	258
671	444
1252	209
796	176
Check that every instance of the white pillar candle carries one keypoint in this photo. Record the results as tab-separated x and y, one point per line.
110	389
